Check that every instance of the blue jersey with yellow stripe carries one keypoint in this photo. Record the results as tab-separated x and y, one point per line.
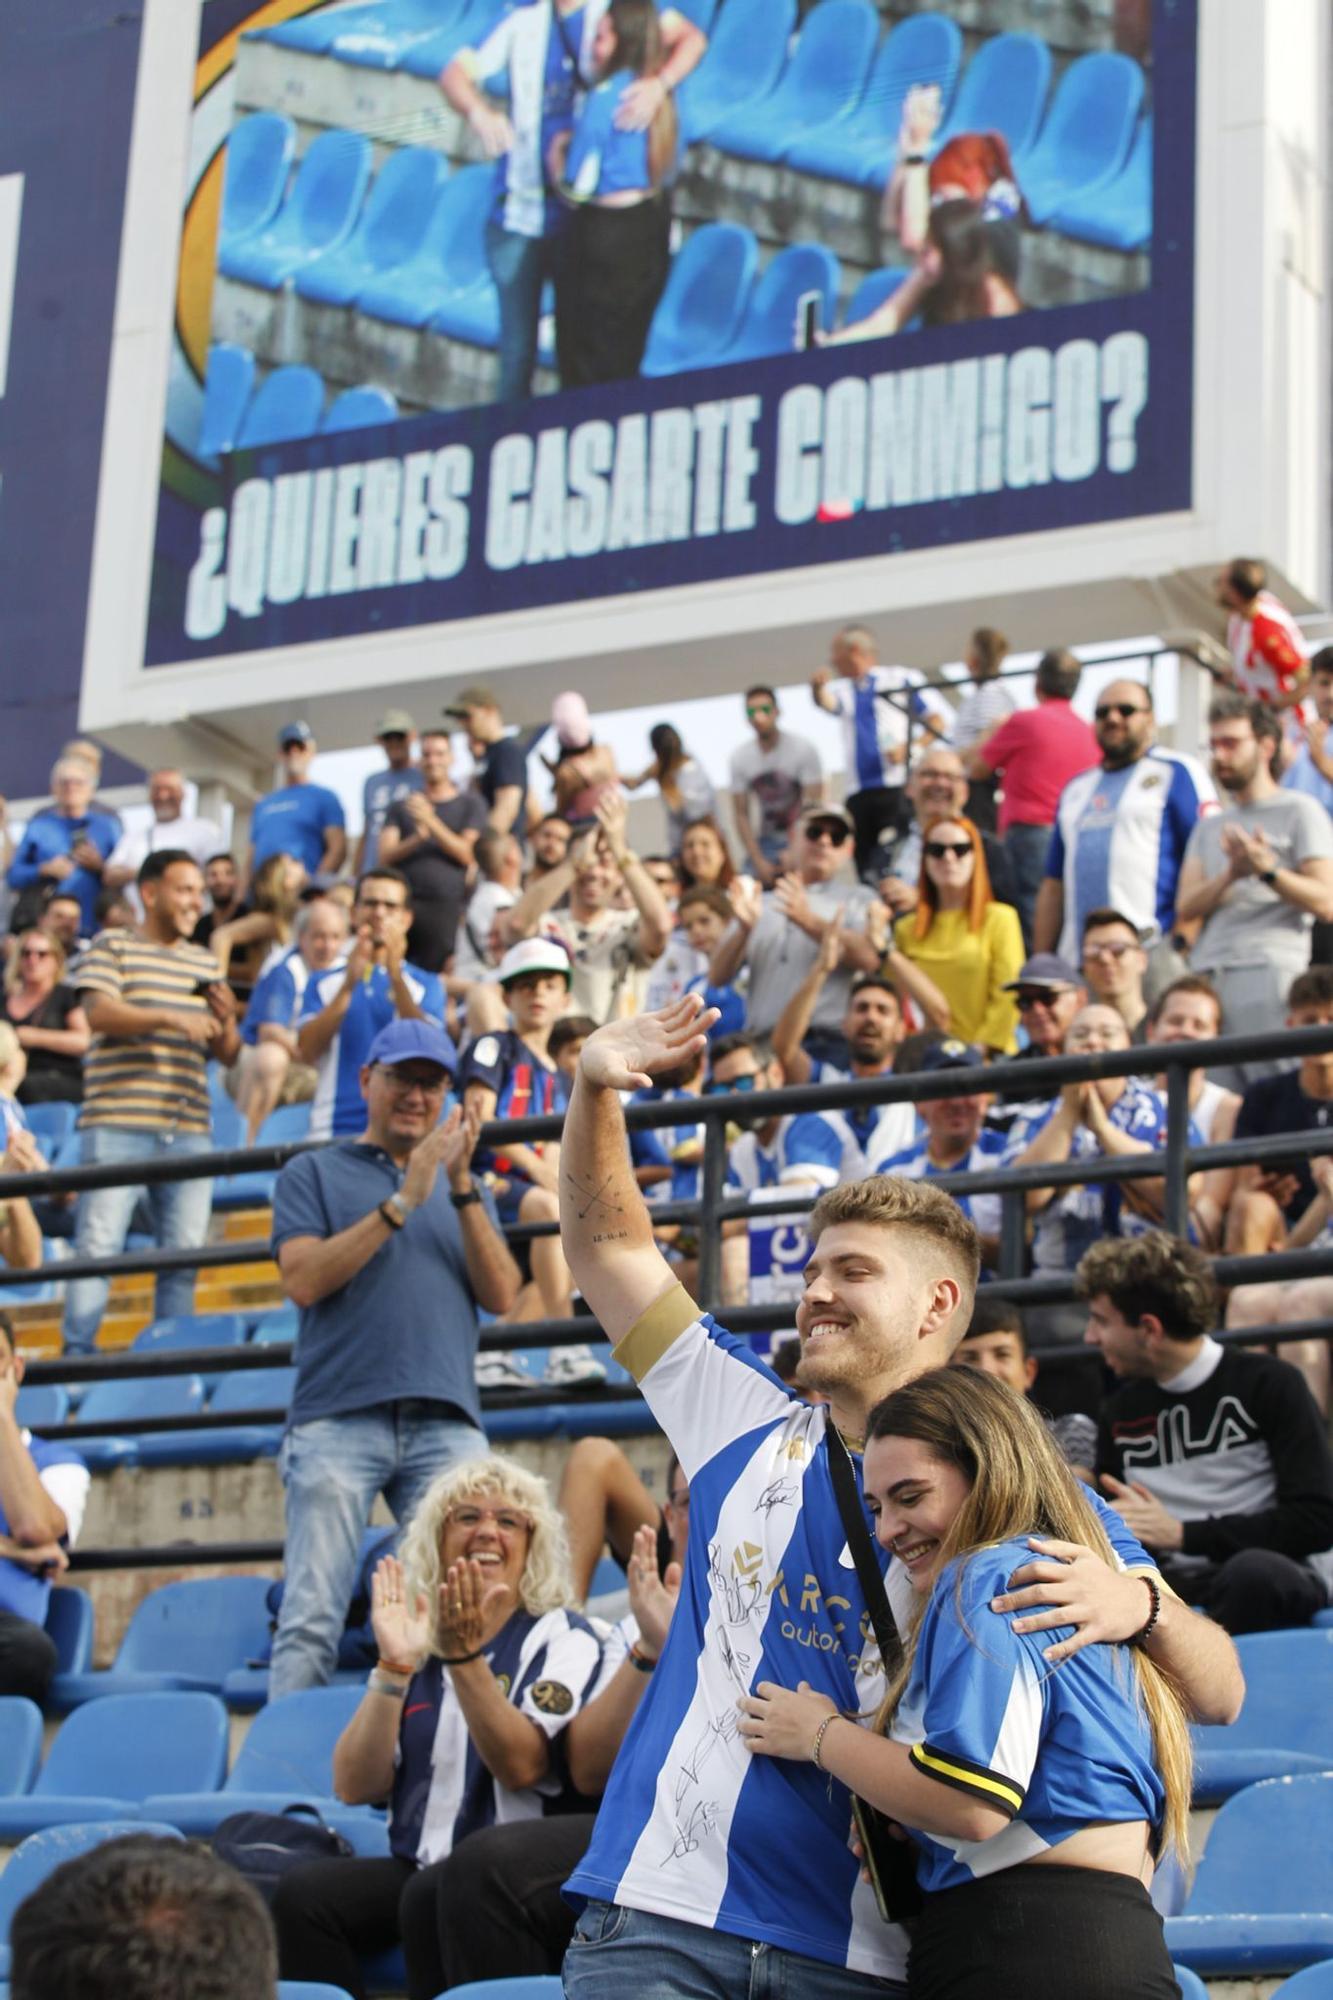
1055	1749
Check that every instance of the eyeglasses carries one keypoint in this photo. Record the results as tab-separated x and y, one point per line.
1108	950
433	1086
1121	708
506	1519
827	829
936	850
750	1082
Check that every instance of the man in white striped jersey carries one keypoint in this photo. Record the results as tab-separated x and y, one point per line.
710	1871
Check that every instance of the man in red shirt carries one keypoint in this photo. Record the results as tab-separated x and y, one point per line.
1036	751
1268	660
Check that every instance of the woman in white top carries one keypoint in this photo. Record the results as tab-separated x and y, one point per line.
1190	1011
686	788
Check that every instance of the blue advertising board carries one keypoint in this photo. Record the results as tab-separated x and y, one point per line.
992	261
67	82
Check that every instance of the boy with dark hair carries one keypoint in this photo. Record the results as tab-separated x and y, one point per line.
996	1343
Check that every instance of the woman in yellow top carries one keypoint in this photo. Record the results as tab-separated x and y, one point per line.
960	941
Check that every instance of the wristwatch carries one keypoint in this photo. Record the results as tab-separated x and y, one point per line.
466	1199
393	1211
1268	875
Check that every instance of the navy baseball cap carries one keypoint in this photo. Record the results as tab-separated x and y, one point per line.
413	1041
950	1055
295	732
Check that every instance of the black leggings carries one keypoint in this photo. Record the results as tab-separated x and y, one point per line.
1047	1933
329	1913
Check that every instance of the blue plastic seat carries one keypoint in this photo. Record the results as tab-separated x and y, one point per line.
1118	215
1190	1984
41	1404
239	1393
1281	1731
1087	135
743	63
286	1759
318	214
183	1636
259	157
1315	1983
1003	89
307	1989
700	311
228	385
279	1324
51	1123
925	49
287	405
136	1396
20	1743
355	410
389	232
820	87
1260	1902
111	1753
769	325
287	1122
451	261
873	290
191	1330
383	43
69	1625
55	1250
537	1986
41	1853
428	55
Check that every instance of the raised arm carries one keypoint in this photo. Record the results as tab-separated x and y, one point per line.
605	1227
793	1023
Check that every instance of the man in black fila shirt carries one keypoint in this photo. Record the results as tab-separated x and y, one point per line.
1216	1459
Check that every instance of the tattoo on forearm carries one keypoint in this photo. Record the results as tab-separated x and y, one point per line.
612	1236
591	1197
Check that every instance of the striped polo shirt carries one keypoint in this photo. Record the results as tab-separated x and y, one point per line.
156	1081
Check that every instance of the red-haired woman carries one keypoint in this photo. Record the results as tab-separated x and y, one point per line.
968	946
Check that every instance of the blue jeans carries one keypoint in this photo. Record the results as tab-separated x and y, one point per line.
520	266
332	1469
180	1212
1027	848
616	1951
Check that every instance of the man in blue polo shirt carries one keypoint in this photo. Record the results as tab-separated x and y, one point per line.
298	818
342	1010
43	1489
388	1262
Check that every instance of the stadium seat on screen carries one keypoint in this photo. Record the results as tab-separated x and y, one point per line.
287	405
51	1124
41	1404
183	1636
354	410
1003	89
872	291
744	60
428	56
315	34
383	42
286	1759
700	312
1087	135
451	261
1119	215
69	1624
1260	1902
821	85
111	1753
228	385
1315	1983
259	157
1323	1620
246	1390
1280	1732
20	1743
319	213
142	1396
390	231
769	325
926	48
31	1863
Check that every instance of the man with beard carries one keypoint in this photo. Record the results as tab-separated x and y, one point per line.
1120	828
689	1884
1257	876
873	1027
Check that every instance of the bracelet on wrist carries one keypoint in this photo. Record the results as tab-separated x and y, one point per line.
379	1683
817	1746
460	1659
1141	1637
641	1661
403	1667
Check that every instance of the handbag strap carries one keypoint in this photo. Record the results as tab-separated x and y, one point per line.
562	29
868	1574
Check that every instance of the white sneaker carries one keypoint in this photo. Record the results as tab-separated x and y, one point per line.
573	1368
499	1370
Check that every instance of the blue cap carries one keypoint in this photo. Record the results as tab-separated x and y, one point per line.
295	732
950	1054
413	1041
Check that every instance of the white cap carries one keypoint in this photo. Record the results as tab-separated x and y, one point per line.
536	954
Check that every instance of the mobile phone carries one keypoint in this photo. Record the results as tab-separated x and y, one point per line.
890	1864
807	319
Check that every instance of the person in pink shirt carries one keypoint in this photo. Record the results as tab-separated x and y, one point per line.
1035	751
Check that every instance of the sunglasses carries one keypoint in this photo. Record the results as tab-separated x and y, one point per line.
750	1082
1047	998
1123	709
828	829
936	850
759	708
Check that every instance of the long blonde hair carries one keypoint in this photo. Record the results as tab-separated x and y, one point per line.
1020	1486
639	48
546	1584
